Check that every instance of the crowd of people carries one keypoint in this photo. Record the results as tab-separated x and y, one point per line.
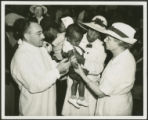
92	56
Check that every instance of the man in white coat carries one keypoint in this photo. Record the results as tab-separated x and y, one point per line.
94	62
35	72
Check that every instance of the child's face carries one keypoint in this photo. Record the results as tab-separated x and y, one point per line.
75	38
92	35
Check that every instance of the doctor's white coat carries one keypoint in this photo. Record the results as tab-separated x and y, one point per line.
35	73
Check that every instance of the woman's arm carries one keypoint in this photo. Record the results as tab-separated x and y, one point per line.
94	87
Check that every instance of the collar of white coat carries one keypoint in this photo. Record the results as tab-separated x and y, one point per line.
28	45
120	57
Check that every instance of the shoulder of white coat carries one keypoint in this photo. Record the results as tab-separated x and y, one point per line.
131	57
22	54
126	59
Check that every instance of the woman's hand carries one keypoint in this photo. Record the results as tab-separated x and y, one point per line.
79	70
73	59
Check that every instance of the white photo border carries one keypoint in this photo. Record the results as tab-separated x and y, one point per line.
134	3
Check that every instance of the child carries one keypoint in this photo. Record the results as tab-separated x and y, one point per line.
71	48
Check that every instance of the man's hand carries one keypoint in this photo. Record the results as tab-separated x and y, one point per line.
48	46
63	66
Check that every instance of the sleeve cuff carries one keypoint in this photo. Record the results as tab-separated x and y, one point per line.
105	89
57	74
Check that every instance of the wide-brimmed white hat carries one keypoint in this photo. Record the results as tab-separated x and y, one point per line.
98	23
67	21
11	18
32	8
122	31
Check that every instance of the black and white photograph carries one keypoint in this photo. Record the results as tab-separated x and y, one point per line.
73	60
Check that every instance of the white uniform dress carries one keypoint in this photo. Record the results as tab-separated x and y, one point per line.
94	62
35	73
117	81
58	45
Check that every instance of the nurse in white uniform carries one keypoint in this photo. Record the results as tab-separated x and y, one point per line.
94	62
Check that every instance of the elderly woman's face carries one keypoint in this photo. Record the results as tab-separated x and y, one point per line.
38	12
111	43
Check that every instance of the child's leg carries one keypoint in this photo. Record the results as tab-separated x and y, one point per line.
81	100
73	99
74	89
81	90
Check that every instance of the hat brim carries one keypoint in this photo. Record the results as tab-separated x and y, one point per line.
11	18
93	26
115	35
32	8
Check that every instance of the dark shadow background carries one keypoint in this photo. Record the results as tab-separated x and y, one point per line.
132	15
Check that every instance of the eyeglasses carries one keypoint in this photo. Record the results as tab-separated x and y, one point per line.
37	33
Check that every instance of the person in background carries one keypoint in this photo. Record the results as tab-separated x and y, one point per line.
114	88
10	20
58	42
11	91
35	72
94	62
50	30
71	47
39	13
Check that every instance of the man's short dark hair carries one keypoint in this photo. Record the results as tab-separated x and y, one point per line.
20	26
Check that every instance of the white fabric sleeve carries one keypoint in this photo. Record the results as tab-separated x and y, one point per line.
31	76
